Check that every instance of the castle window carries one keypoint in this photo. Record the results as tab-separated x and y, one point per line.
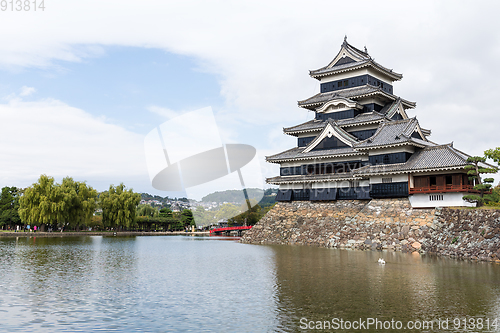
339	84
386	159
449	180
386	180
432	181
346	82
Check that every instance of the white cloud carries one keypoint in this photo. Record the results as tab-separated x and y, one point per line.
26	91
53	138
163	112
261	52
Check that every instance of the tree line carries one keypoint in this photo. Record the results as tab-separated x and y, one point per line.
73	205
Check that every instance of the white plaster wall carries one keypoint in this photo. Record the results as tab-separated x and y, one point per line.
294	186
449	200
324	185
395	178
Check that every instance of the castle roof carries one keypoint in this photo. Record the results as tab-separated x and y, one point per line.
315	125
350	58
367	90
297	154
395	133
431	158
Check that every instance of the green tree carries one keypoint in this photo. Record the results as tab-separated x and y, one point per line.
166	212
119	206
494	154
40	203
228	210
204	217
78	202
9	207
48	203
147	210
250	216
187	218
475	169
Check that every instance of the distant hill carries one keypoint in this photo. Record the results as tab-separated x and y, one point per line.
235	196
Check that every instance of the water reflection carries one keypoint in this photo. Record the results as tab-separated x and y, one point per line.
205	284
136	283
321	284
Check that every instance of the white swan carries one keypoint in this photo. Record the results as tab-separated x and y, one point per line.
381	261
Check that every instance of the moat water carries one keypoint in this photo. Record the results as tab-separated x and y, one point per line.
202	284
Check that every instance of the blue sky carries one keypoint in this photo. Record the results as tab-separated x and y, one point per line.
82	83
121	83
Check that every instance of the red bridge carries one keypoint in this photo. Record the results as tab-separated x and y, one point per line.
228	230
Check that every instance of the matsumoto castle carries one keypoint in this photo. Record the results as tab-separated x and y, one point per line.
361	144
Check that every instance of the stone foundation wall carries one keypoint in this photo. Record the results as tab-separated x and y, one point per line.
378	224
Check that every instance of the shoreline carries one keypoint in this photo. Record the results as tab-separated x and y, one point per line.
102	233
382	224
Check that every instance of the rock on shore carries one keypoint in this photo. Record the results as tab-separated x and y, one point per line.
378	224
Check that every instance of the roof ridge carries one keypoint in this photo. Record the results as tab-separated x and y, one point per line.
357	50
395	122
307	122
286	151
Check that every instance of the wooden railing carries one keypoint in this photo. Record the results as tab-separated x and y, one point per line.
445	188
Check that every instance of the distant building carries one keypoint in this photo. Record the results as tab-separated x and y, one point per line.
363	145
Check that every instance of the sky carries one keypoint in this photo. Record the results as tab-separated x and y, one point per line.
83	82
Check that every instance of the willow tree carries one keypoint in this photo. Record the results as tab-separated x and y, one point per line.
119	206
69	203
78	202
40	203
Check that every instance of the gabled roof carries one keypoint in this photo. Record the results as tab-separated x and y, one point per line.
316	125
394	133
367	90
350	58
339	100
431	158
394	108
332	129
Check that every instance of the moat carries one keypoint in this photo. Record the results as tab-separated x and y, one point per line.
182	283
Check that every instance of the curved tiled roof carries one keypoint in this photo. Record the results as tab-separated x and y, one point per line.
359	59
394	132
317	125
312	103
297	154
310	125
428	159
367	117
